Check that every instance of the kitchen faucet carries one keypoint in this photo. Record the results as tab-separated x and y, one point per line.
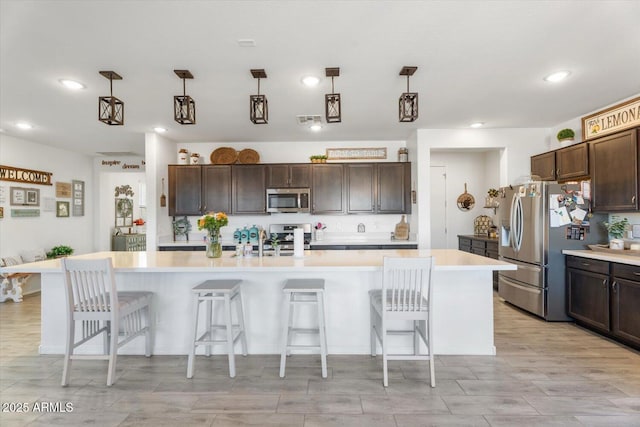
262	236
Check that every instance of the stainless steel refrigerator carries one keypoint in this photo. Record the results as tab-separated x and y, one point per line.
537	220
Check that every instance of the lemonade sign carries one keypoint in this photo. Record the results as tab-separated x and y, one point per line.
616	118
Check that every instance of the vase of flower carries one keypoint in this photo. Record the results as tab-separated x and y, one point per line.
213	222
214	248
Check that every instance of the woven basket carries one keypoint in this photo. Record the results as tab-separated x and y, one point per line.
224	156
248	157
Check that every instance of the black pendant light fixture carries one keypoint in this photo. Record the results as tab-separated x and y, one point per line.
409	100
184	107
332	106
258	106
110	108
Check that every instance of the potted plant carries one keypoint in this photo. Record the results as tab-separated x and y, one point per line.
59	251
616	229
565	135
275	244
491	199
318	158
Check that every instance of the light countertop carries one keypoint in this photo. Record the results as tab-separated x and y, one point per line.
606	256
334	260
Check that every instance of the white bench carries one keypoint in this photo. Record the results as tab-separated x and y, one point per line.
11	286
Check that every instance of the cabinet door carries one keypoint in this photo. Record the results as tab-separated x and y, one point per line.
361	187
588	295
464	244
544	165
185	183
572	162
300	176
394	188
216	188
327	194
625	310
249	189
277	176
614	172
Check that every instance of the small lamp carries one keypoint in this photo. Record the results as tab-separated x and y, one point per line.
184	107
332	106
408	103
258	105
110	108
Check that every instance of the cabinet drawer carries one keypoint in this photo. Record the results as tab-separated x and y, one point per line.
625	271
478	251
477	244
593	265
464	241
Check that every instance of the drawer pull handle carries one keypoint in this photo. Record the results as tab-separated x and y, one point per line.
635	273
586	264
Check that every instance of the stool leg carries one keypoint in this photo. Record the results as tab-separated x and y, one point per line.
192	349
290	332
323	336
286	316
243	334
229	325
209	318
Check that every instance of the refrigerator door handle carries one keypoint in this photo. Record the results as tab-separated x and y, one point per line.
512	220
520	214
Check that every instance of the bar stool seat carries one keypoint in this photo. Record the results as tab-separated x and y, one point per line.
303	291
226	291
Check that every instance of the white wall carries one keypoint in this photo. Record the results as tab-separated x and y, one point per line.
512	148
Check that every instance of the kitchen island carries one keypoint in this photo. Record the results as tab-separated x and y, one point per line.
463	296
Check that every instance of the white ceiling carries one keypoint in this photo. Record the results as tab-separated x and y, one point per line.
477	61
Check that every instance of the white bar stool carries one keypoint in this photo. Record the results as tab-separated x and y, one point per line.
227	291
304	291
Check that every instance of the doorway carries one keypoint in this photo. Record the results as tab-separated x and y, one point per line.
438	207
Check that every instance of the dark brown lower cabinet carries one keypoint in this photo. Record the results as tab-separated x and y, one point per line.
483	246
605	297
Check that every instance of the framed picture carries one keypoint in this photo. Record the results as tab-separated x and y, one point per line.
62	209
1	212
77	208
63	189
24	196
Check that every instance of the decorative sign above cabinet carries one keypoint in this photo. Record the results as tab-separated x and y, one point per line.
356	153
619	117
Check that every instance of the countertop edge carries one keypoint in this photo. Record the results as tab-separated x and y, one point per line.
603	256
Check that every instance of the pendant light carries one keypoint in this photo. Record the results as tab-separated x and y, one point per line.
184	107
408	104
258	106
332	106
110	108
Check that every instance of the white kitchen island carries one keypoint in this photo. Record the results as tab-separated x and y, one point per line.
463	297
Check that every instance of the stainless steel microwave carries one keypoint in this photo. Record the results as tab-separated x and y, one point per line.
288	199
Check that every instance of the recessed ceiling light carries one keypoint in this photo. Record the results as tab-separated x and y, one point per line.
557	76
477	124
159	129
24	125
310	81
71	84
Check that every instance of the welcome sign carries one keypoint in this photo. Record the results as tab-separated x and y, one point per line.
9	173
619	117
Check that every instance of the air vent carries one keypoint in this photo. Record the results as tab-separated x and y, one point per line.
309	120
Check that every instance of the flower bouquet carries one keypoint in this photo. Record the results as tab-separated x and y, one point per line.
212	222
319	227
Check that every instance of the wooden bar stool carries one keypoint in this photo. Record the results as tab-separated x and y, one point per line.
226	291
304	291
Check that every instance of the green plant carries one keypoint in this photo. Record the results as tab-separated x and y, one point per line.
274	240
59	251
318	157
492	192
616	227
566	134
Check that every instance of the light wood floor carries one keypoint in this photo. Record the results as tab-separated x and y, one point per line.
545	374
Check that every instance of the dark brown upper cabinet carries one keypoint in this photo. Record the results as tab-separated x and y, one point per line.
378	188
288	175
544	166
249	190
614	172
327	189
572	162
196	189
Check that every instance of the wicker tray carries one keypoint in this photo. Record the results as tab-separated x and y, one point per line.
224	156
605	249
248	157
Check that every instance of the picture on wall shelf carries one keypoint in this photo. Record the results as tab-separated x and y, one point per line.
1	212
62	209
78	198
25	196
63	190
